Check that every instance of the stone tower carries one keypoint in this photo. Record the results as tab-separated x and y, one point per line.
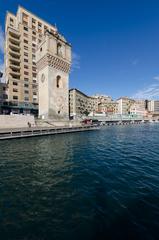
53	66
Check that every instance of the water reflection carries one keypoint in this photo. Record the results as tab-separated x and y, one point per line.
94	185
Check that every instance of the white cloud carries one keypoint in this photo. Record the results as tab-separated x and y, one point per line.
156	78
149	92
1	41
75	61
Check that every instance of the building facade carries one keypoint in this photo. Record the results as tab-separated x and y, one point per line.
138	108
80	104
3	96
124	105
153	106
108	108
106	104
23	32
53	67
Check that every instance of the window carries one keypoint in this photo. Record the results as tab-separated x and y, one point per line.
45	29
26	73
34	81
33	20
25	60
15	90
25	41
34	69
26	79
11	20
25	66
58	82
15	83
25	47
34	33
33	50
15	97
59	49
26	91
34	75
26	29
26	85
33	44
25	54
34	86
26	99
41	49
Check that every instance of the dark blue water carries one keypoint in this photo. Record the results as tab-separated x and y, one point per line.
92	185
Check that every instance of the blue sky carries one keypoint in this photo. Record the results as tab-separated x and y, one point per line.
115	42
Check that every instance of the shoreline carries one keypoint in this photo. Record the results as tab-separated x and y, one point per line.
7	134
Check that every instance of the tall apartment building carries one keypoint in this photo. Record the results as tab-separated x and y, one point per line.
23	32
80	104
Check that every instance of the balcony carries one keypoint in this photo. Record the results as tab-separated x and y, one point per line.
13	40
13	47
13	79
14	58
14	33
14	67
14	61
14	54
14	73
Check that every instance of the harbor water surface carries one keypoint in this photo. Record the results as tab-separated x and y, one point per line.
101	184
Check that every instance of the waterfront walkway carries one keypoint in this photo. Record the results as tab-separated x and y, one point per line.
41	131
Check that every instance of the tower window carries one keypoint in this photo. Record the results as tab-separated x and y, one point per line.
59	49
58	82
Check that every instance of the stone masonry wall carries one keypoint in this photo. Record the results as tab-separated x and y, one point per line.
16	121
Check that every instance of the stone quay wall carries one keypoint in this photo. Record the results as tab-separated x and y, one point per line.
16	121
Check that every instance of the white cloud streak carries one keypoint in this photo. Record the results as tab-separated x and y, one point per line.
1	41
75	62
156	78
149	92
